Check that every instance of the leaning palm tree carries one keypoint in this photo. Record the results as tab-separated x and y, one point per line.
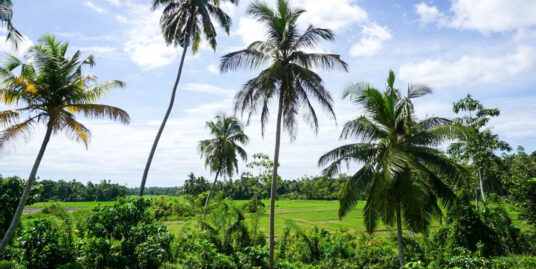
52	87
6	13
183	23
402	169
221	152
288	75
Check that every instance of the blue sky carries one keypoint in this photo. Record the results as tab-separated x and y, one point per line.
483	47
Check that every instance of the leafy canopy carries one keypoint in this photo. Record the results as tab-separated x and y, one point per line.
51	87
480	146
221	152
184	22
288	71
401	166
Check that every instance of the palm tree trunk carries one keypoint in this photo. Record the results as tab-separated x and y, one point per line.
164	121
273	188
399	235
26	193
209	192
481	185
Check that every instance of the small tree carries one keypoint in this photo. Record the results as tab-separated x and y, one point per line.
480	146
264	165
222	152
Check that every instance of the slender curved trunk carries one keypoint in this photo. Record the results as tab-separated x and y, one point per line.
273	188
210	192
164	121
481	181
399	235
27	189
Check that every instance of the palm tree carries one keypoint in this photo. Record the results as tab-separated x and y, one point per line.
221	152
402	169
288	76
52	88
6	13
183	23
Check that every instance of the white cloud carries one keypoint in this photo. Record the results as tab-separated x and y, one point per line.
214	69
121	19
513	122
469	69
206	88
373	37
428	14
335	15
484	16
94	7
98	49
7	47
145	45
80	36
250	30
114	2
493	15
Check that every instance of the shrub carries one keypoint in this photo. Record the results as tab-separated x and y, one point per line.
125	235
41	247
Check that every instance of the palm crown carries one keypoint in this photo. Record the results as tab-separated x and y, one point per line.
401	168
221	153
52	88
189	20
289	73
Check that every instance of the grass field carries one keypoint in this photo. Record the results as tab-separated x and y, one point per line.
303	213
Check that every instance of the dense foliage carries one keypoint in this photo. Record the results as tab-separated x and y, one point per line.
74	191
249	186
128	235
10	192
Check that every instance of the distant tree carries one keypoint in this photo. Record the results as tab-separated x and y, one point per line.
264	166
402	171
222	152
52	88
521	183
480	146
289	75
194	185
184	23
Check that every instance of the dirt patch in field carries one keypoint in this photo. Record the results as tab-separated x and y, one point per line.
29	210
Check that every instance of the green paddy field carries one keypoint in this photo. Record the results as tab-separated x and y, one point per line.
303	213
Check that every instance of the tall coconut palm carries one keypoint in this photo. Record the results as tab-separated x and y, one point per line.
183	23
53	88
221	152
288	76
402	169
6	13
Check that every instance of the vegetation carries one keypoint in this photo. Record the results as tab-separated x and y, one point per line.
401	173
479	147
221	152
288	76
403	176
128	234
74	191
54	88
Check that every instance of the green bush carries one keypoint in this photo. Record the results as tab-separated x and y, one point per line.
40	245
125	236
10	265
